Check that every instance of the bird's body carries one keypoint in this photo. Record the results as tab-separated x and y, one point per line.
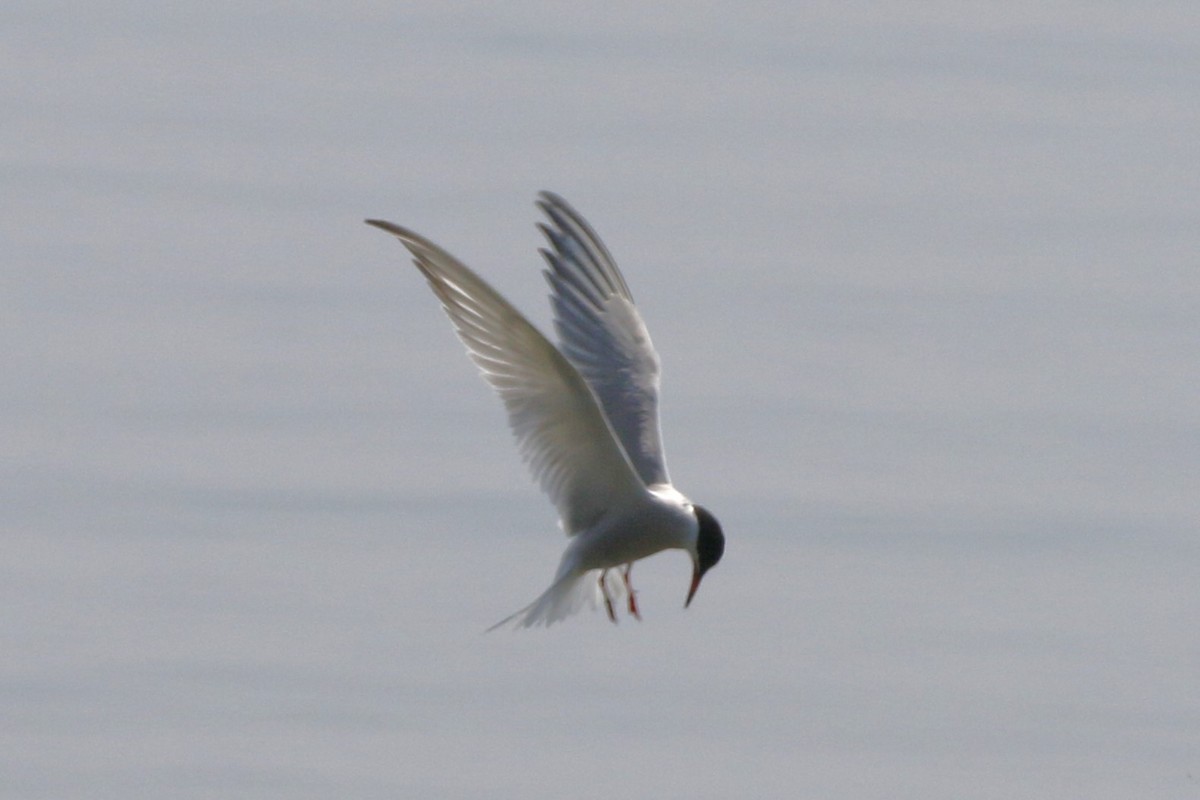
585	416
660	519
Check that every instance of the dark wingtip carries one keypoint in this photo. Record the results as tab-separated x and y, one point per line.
384	225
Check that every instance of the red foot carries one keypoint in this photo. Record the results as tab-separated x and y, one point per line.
633	606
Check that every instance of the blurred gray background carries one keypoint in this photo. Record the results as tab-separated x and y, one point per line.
924	281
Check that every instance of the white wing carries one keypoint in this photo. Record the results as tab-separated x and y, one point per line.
603	335
560	430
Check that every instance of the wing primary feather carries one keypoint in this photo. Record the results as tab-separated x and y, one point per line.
574	225
567	270
560	427
601	332
577	265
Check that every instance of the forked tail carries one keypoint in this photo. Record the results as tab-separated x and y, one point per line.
568	595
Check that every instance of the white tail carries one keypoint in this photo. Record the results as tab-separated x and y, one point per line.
568	595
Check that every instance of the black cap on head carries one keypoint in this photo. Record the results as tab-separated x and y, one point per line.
710	542
710	546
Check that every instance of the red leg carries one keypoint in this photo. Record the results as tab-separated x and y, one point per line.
633	607
608	606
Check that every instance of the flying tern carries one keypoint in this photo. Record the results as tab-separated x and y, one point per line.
584	414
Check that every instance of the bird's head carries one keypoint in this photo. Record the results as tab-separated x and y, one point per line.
710	546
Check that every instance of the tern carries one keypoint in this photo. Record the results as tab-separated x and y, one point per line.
585	414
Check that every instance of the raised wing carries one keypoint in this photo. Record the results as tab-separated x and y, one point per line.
560	430
603	335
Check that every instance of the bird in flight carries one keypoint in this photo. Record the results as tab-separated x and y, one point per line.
584	414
